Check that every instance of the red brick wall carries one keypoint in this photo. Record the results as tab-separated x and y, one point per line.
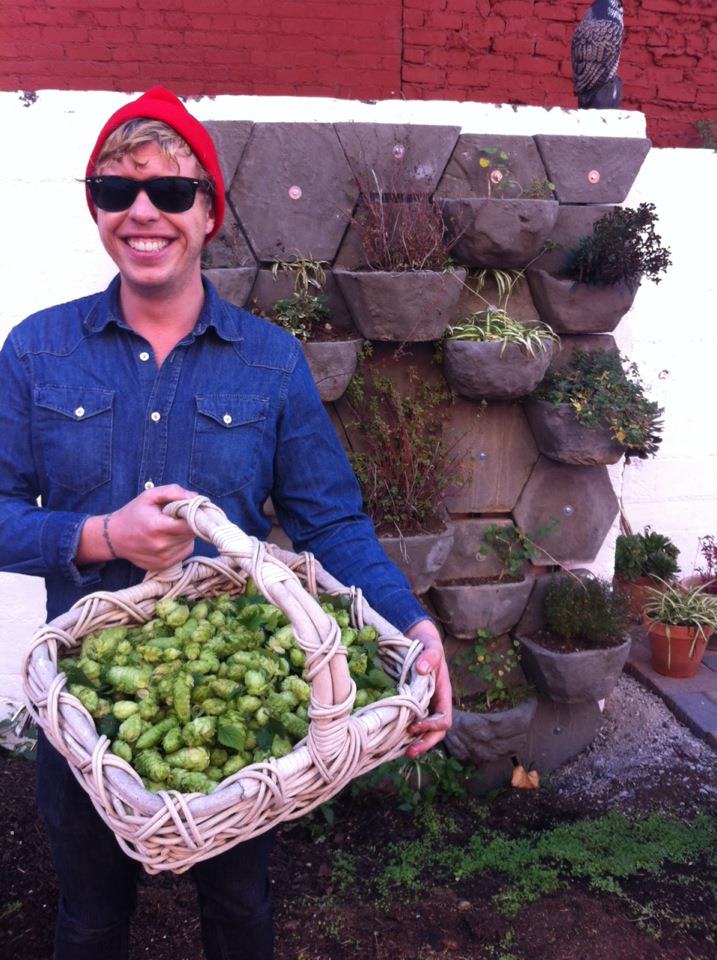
514	51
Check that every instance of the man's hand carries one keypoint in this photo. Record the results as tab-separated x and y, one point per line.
433	729
139	532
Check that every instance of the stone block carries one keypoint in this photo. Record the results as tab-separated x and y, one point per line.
533	618
464	176
230	138
566	510
472	300
268	289
233	284
465	558
497	233
294	191
560	731
397	158
497	452
571	343
229	248
572	224
592	169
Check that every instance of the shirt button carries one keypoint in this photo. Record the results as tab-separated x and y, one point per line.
80	412
148	485
226	418
156	416
144	356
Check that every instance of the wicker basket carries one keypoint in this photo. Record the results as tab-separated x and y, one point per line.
170	830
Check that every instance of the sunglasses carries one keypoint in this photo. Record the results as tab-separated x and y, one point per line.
168	194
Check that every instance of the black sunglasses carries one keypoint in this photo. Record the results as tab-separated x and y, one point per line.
168	194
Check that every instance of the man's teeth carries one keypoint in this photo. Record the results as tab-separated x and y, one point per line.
148	246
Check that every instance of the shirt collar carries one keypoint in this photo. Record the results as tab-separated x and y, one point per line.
214	313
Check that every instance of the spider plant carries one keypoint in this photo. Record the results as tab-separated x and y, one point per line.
682	606
309	274
494	324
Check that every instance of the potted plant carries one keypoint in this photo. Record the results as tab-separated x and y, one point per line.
643	560
332	353
679	619
489	355
404	467
408	290
593	411
504	222
580	651
491	603
495	707
602	273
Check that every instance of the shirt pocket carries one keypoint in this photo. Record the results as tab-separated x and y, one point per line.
228	429
74	427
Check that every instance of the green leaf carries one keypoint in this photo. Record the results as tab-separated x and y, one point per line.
232	735
108	725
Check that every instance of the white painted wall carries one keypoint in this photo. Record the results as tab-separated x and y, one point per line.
49	252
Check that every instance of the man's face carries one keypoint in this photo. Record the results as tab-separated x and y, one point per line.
157	253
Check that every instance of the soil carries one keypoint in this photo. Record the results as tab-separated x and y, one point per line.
479	581
642	760
559	645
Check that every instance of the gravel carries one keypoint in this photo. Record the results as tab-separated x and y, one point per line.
643	758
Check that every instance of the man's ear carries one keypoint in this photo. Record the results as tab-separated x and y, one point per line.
210	224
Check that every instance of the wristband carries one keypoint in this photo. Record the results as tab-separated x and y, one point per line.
106	535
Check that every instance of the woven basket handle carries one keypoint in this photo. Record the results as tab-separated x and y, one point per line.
333	691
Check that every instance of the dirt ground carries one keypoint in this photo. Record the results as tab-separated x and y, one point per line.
374	884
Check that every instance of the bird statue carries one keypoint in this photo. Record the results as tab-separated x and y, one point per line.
595	55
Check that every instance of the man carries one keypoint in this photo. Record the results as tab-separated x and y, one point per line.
118	403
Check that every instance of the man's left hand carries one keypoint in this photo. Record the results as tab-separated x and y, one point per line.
434	728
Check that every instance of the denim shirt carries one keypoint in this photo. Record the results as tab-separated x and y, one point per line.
88	421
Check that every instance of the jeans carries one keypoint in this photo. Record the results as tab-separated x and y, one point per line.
98	881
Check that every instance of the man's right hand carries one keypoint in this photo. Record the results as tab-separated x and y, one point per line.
139	532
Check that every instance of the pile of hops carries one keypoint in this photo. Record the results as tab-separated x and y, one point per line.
206	688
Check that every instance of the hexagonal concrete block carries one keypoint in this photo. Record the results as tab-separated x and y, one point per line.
465	558
572	224
268	289
464	177
294	191
400	158
229	248
533	618
233	284
520	304
497	451
571	343
567	511
592	169
230	138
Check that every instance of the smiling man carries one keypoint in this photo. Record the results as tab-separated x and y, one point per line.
153	390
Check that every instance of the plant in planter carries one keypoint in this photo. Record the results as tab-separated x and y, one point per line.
493	722
602	273
332	354
490	355
581	650
594	411
504	224
680	620
641	561
405	468
409	289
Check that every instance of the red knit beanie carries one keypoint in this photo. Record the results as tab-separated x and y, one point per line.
161	104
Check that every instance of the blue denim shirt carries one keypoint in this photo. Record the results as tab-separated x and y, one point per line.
87	420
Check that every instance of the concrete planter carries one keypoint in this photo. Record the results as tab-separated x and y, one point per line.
560	436
482	737
493	370
420	556
592	169
233	283
499	233
571	307
406	306
464	608
332	364
573	677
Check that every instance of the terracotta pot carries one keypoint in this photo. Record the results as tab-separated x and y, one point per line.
493	370
332	364
636	591
420	556
499	233
482	737
405	307
573	677
676	651
464	608
560	436
571	307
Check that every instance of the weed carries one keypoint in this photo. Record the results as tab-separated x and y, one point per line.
345	871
